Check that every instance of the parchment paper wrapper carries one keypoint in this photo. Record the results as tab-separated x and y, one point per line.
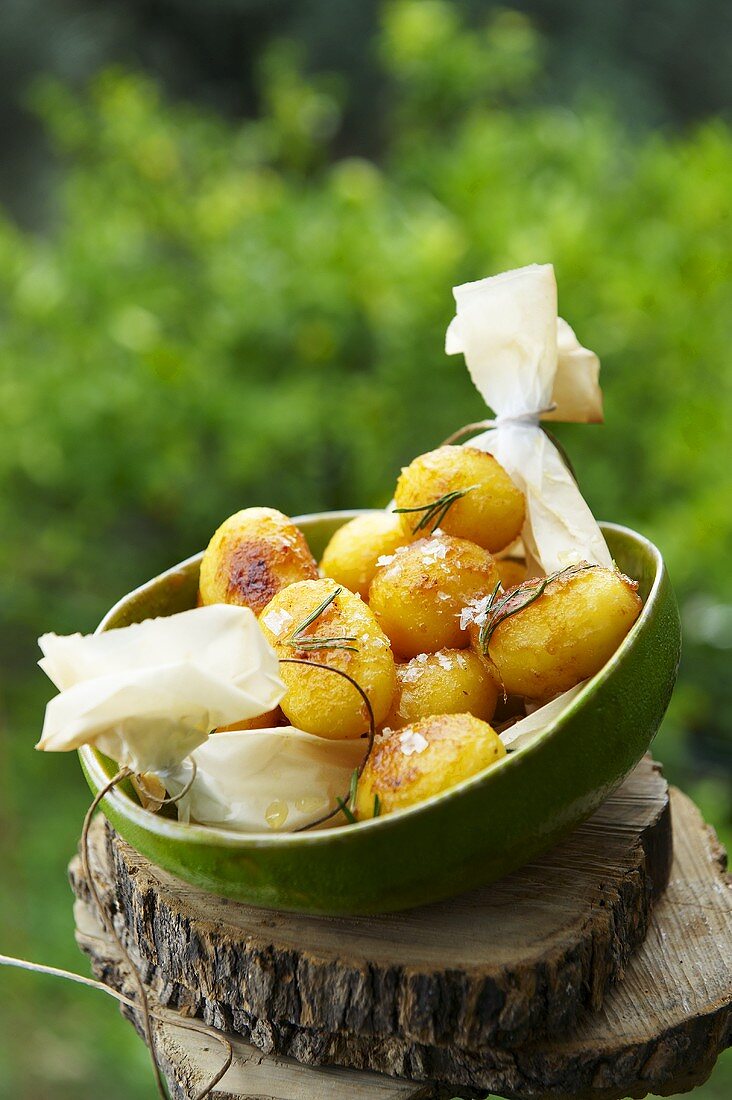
265	780
150	693
524	731
523	358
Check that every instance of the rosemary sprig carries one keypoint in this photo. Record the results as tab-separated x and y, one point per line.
311	643
346	810
435	512
347	805
353	788
500	608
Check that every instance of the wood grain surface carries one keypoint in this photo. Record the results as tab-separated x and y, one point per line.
189	1061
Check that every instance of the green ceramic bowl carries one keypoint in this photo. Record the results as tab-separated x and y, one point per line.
471	834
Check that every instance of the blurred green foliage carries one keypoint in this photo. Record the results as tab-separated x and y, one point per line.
230	314
662	61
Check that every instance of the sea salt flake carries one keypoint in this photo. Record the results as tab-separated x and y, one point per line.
276	621
443	596
411	742
422	658
444	661
474	612
410	674
385	559
434	551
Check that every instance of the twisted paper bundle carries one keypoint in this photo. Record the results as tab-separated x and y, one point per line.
528	365
148	694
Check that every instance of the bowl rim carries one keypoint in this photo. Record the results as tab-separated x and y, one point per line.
174	830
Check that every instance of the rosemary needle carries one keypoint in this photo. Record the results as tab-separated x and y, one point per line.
435	512
299	640
346	811
500	608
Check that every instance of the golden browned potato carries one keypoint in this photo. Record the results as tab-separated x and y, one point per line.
419	595
265	721
352	554
406	766
487	507
511	572
253	555
322	702
452	681
564	636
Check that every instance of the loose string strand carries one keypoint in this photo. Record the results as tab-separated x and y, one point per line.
108	925
172	799
91	983
141	1004
371	732
468	429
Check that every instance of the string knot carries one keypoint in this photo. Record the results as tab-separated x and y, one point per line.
531	418
525	418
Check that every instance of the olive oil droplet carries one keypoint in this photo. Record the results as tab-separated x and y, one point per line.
276	814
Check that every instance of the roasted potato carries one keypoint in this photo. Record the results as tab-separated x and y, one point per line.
406	766
351	556
252	556
490	513
563	636
418	596
452	681
319	701
511	572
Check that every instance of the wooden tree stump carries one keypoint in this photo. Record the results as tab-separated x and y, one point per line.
659	1030
189	1061
519	958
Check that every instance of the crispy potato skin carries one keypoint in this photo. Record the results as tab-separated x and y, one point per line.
417	598
491	514
406	766
511	572
252	556
566	635
351	555
319	701
453	681
265	721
